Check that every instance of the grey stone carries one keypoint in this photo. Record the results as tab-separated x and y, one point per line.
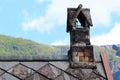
8	77
21	71
76	73
101	69
35	65
61	65
1	72
56	71
47	71
61	77
66	76
7	65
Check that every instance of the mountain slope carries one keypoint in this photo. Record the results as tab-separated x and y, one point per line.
11	45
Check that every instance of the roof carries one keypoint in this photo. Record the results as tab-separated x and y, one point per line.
53	70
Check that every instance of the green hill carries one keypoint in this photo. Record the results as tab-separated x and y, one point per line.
20	46
11	45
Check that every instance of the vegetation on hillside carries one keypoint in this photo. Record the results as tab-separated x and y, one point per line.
11	45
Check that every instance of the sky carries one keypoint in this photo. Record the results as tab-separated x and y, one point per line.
44	21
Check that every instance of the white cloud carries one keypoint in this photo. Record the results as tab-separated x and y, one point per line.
101	10
41	1
55	15
113	37
39	24
61	42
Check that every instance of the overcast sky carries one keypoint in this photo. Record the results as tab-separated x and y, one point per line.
44	21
